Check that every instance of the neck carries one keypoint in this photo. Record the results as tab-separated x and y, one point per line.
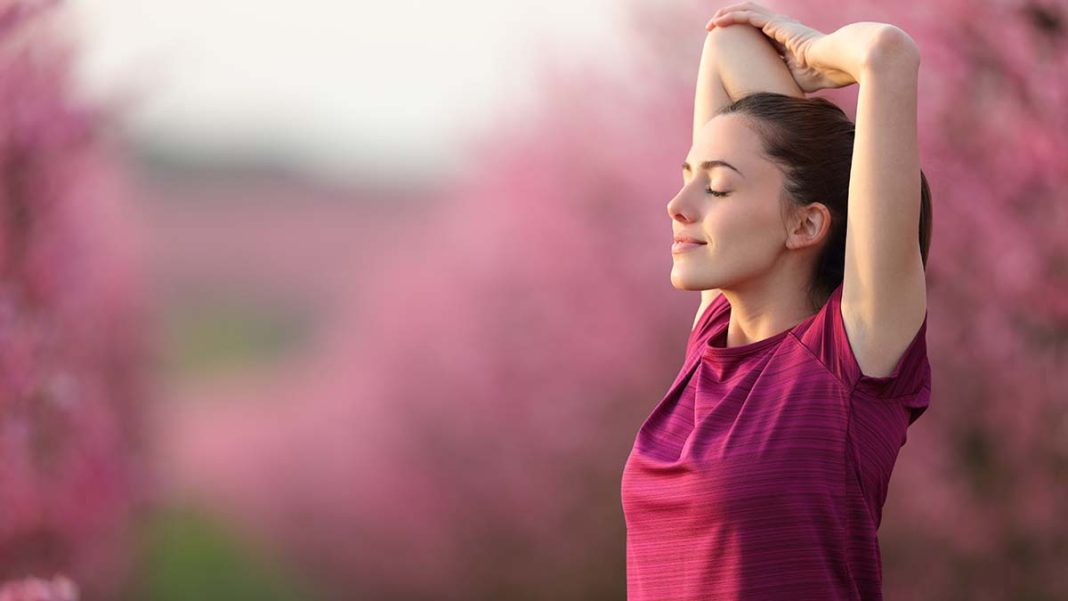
763	308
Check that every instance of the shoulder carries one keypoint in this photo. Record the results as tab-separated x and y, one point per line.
880	332
839	343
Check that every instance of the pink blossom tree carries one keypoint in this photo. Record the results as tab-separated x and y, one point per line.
59	588
72	354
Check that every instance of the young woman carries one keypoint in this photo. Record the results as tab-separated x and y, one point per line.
762	473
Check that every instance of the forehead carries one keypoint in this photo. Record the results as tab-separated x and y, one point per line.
728	138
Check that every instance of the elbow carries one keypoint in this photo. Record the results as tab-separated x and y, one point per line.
892	48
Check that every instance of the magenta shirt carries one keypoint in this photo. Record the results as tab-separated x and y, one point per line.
761	474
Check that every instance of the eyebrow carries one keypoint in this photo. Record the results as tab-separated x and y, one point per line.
709	165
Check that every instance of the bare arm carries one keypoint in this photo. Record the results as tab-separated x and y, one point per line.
883	266
884	294
735	61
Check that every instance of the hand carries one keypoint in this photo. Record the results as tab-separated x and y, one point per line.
797	44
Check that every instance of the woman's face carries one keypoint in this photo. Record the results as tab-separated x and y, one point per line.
741	223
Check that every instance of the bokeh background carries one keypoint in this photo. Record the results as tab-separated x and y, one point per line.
336	301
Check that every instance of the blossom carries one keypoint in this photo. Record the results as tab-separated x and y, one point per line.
58	588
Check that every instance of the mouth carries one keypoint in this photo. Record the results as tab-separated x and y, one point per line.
681	246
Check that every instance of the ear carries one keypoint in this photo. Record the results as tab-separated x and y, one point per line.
808	225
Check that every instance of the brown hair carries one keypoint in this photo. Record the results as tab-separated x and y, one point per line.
812	140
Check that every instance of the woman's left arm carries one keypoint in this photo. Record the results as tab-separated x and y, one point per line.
884	294
884	291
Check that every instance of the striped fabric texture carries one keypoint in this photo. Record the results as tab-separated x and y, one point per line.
762	473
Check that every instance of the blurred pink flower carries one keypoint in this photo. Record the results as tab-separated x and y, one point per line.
59	588
73	359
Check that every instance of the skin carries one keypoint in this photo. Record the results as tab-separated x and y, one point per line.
760	251
884	286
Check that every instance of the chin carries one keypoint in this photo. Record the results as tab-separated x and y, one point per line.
683	283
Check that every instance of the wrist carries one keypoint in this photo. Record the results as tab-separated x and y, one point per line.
855	47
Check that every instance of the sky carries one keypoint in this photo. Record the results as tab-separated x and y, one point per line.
335	86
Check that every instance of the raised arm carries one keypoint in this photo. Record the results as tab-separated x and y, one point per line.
884	291
735	61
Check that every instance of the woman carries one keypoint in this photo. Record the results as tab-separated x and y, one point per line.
762	473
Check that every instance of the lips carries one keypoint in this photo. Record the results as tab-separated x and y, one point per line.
685	238
681	246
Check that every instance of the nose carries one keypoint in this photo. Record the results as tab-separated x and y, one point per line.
681	208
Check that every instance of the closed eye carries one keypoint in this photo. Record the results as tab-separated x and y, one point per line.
716	192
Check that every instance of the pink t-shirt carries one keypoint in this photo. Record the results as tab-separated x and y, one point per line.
762	473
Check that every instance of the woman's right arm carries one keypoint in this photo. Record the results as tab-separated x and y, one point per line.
735	61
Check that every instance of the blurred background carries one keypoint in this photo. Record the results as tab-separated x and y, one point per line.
329	301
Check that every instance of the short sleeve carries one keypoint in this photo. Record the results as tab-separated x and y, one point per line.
908	383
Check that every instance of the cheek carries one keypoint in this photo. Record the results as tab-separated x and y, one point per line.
746	235
742	225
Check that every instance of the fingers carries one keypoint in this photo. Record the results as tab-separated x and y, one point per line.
744	12
738	16
750	6
719	12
